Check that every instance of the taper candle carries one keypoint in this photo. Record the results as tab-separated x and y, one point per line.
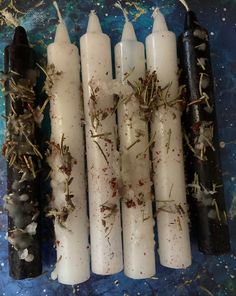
67	159
137	217
102	154
167	152
203	162
23	159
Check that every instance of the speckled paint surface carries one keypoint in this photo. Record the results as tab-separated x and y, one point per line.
208	275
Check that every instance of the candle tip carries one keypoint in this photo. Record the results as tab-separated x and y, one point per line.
62	35
94	23
58	11
185	4
20	36
159	21
155	12
125	12
128	32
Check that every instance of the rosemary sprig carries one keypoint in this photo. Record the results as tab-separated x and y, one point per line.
100	148
168	141
133	144
111	209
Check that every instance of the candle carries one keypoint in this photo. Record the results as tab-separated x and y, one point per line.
167	152
23	159
203	162
137	217
67	159
102	154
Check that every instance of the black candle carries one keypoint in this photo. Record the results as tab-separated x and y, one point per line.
23	159
203	162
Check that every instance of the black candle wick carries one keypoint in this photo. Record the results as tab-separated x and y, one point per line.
20	36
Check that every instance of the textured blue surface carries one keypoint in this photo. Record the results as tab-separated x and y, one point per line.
208	274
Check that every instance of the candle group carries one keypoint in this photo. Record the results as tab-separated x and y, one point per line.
123	145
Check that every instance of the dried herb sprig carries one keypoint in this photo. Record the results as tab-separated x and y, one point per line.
66	164
97	115
170	206
110	211
23	157
203	138
52	75
19	147
150	95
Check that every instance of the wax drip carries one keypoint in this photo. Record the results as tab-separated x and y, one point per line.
125	12
185	4
58	11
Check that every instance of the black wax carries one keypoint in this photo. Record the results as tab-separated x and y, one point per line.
20	62
204	175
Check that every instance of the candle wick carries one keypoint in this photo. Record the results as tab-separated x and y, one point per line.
58	11
125	12
185	4
93	11
155	12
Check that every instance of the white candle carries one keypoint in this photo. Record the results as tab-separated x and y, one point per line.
137	217
104	200
167	153
66	112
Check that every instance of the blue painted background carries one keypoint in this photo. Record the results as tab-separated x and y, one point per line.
208	275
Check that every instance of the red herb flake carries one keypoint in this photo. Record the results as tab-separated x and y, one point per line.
66	170
140	183
196	127
114	186
130	204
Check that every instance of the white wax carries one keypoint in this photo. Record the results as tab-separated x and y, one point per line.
167	153
66	112
102	154
137	217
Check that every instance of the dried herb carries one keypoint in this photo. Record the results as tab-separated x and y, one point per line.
97	115
168	141
151	96
52	75
66	160
110	211
23	156
100	148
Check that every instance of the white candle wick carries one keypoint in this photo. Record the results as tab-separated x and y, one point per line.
58	11
185	4
155	12
125	12
92	11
